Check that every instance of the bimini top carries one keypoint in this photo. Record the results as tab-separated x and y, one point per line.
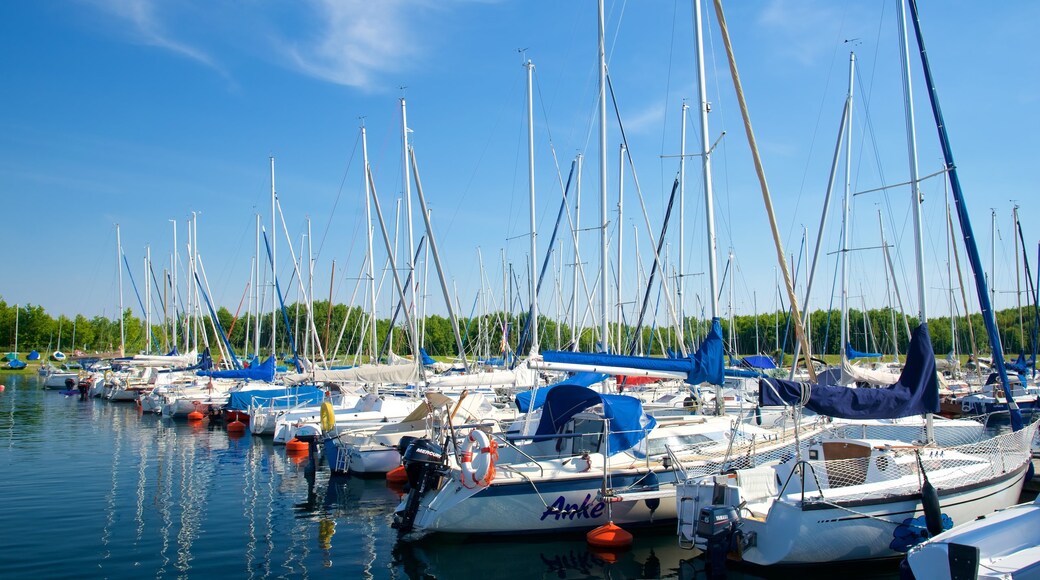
916	392
535	398
627	423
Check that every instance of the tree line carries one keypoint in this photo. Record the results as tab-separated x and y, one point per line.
880	331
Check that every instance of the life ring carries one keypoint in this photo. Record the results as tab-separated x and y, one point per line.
477	463
328	417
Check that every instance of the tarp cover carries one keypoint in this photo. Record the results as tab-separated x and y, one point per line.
284	397
758	362
384	374
705	366
177	360
916	393
523	399
627	423
522	376
261	372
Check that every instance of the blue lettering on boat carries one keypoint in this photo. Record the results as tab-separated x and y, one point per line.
587	509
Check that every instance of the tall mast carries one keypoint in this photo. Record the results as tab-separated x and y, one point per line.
760	171
620	240
534	233
371	255
681	286
173	283
147	301
992	256
844	290
411	293
119	269
274	264
709	204
256	293
1018	282
312	338
911	138
574	237
602	179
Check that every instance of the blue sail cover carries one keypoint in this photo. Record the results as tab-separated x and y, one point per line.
523	399
627	423
33	356
916	392
758	362
426	358
705	366
261	372
851	353
1021	365
277	396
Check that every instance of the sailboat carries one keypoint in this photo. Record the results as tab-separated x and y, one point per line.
844	496
12	357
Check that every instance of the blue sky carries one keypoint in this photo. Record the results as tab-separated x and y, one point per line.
138	112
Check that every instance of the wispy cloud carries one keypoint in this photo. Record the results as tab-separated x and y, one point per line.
149	25
649	118
356	41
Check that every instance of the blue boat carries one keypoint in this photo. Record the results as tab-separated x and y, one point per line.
15	365
33	356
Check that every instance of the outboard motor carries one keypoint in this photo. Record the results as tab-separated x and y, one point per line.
425	463
717	527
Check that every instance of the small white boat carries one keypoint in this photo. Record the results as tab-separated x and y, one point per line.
1004	544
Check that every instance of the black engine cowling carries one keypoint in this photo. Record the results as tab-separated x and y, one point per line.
425	463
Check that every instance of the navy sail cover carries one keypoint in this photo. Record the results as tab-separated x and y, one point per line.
705	366
916	392
627	423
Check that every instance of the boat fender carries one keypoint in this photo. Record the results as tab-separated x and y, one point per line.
965	407
477	463
930	502
328	417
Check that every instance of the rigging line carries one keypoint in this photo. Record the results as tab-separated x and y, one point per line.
904	183
339	193
668	84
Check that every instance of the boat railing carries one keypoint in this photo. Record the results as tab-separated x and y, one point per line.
506	442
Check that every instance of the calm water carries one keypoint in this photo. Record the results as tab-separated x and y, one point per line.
93	489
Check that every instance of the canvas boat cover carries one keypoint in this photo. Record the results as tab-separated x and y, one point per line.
916	392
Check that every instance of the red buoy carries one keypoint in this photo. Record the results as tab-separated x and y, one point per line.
195	416
294	445
609	536
397	475
2	388
236	427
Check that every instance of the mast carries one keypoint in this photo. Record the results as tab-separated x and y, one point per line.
256	293
440	270
274	263
767	199
620	241
533	284
985	304
173	283
119	269
371	255
1018	283
709	203
844	290
888	291
414	284
602	179
577	258
911	138
147	304
681	286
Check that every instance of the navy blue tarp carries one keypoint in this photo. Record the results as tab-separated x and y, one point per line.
523	399
627	423
705	366
33	356
916	392
261	372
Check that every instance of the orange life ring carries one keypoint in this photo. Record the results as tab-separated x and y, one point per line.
477	464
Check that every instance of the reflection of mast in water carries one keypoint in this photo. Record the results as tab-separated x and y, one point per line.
143	447
163	492
255	466
110	499
195	479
